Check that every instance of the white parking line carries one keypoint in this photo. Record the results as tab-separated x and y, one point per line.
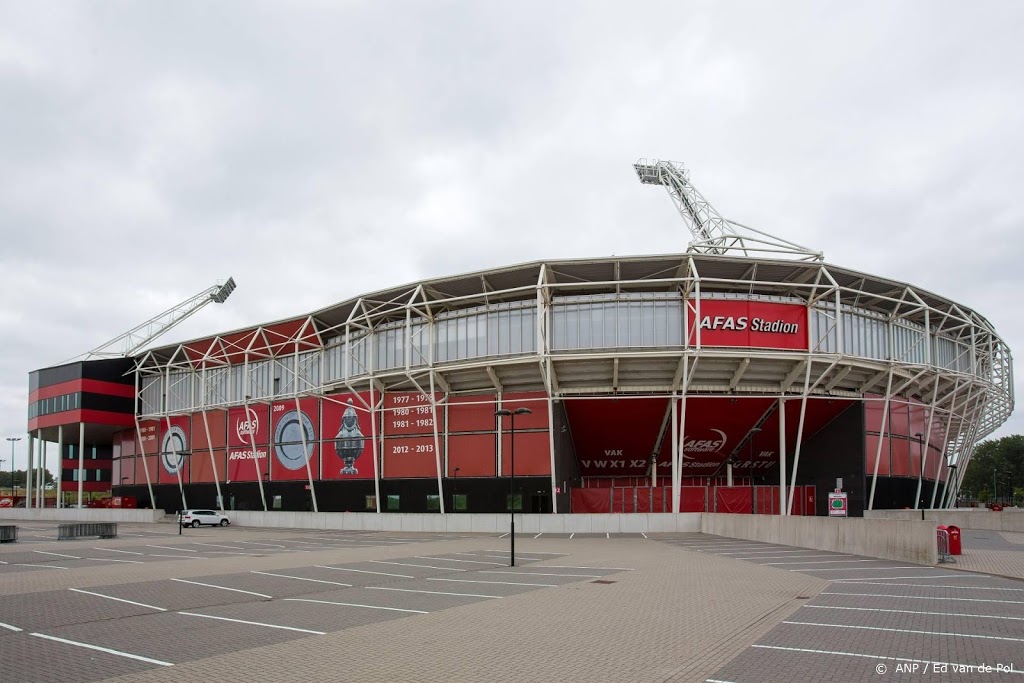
411	564
825	562
848	654
574	533
410	590
906	611
926	597
352	604
110	597
785	557
502	571
859	569
869	579
904	630
363	571
41	566
253	623
168	547
499	550
500	583
218	545
43	552
271	545
9	627
302	578
179	557
102	649
777	550
451	559
565	566
539	535
643	534
113	559
112	550
224	588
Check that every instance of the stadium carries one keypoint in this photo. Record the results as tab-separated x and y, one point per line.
744	375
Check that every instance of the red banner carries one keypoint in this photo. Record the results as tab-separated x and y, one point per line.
295	439
472	413
474	455
347	436
245	428
748	324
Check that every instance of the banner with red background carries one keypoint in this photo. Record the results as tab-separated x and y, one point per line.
244	429
748	324
290	426
347	443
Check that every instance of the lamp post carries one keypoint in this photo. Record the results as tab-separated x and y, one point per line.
12	439
455	491
512	474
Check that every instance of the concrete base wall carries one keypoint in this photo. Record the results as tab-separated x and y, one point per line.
82	515
1010	519
902	540
473	522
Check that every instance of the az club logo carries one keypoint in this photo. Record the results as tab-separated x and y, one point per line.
248	427
706	445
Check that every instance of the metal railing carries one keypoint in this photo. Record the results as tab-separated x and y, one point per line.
101	529
942	538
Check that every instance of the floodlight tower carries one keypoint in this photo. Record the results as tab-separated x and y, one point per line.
139	336
712	233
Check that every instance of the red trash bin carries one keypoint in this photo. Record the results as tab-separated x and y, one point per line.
954	540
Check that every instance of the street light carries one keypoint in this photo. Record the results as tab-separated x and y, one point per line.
12	439
512	474
455	491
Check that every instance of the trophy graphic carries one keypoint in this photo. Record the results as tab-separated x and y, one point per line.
348	443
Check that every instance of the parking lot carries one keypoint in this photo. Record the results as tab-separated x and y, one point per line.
273	604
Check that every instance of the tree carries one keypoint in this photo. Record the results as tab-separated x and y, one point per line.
19	478
997	465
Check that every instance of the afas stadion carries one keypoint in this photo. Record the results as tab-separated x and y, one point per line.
745	375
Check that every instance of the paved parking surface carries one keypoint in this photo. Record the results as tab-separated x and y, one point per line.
881	620
271	604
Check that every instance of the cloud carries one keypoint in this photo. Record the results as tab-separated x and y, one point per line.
317	150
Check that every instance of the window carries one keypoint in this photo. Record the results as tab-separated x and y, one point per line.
434	503
371	503
459	502
518	502
393	503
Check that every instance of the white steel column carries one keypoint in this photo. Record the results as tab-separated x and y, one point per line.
252	445
679	456
376	452
728	474
926	443
437	442
782	458
213	461
799	437
174	453
40	469
81	460
675	453
309	471
882	438
145	463
551	445
60	466
29	491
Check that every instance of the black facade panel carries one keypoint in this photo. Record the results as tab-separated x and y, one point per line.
111	404
117	370
837	450
47	377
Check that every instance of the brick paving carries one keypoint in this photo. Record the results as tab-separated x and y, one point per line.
676	607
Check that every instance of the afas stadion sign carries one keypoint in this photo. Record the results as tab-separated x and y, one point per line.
753	324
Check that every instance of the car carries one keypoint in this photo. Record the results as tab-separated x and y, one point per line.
197	518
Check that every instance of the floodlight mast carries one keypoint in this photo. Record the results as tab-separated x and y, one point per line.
139	336
712	233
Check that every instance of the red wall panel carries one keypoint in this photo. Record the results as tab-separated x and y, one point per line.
476	455
244	462
536	401
217	420
871	451
473	413
201	469
533	453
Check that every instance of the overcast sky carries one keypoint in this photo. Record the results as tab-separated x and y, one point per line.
319	150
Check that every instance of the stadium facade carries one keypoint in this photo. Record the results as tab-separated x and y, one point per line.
744	375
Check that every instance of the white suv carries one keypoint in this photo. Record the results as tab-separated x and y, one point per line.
195	518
